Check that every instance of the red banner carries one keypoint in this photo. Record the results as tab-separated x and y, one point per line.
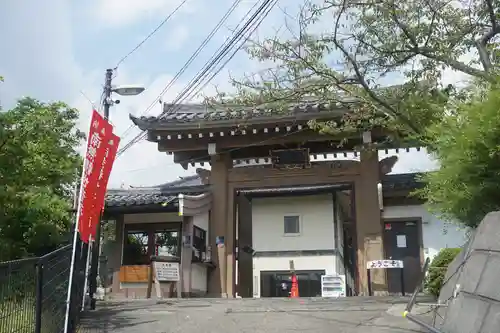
111	146
100	131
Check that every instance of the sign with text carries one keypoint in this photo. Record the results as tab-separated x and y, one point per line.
167	271
100	131
384	264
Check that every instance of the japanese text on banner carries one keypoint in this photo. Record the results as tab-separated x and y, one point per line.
100	130
111	148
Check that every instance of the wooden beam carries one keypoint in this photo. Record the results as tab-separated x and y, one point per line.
236	141
252	152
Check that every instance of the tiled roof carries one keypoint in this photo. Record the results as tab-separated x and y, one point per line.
155	195
402	181
167	193
192	113
132	197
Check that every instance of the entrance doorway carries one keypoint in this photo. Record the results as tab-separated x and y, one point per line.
279	283
402	242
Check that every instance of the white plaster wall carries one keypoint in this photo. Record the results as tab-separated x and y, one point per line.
317	232
437	234
198	277
317	228
199	272
201	221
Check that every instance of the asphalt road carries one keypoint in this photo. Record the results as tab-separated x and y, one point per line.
347	315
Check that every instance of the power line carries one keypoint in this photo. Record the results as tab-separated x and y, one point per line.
189	61
162	23
240	37
233	54
217	58
263	10
213	60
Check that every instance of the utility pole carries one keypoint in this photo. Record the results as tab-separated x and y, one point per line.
94	266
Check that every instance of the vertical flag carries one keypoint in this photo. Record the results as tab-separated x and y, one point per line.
111	148
100	131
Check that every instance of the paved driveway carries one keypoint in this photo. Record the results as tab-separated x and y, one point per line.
353	314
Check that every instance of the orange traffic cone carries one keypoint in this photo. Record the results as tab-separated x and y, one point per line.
294	292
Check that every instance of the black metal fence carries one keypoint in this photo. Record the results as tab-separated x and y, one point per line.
34	291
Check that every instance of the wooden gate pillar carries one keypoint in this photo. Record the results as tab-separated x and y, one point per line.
221	280
368	223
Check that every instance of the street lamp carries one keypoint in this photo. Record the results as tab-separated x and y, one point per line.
128	90
123	90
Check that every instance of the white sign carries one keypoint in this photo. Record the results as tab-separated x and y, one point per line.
384	264
333	286
401	240
167	271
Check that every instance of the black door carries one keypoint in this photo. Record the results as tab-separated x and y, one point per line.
279	283
402	242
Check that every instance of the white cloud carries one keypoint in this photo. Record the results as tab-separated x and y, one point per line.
119	13
177	37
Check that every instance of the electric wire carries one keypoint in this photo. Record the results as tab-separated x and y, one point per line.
243	40
263	10
151	34
137	137
217	55
188	62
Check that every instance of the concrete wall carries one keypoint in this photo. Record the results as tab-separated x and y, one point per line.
437	234
471	289
275	249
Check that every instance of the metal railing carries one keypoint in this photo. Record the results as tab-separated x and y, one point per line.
407	313
33	292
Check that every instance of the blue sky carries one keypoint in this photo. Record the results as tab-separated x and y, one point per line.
57	49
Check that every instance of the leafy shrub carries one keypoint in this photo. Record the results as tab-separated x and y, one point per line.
437	270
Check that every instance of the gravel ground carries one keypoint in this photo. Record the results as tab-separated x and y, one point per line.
347	315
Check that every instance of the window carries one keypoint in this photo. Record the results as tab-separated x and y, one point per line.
167	243
143	240
136	249
291	224
199	244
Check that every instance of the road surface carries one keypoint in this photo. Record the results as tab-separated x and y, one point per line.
347	315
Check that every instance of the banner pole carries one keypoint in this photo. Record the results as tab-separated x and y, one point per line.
87	266
73	254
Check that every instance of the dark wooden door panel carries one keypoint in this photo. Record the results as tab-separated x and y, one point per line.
402	242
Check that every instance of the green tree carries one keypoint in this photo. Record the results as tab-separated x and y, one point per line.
437	270
362	43
467	145
38	160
